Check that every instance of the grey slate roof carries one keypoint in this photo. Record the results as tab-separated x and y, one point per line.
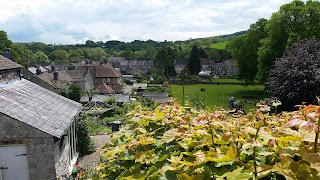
6	64
103	98
38	107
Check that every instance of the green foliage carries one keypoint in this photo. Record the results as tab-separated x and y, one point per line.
163	62
5	42
158	78
21	54
194	61
219	45
179	142
74	92
59	56
40	56
295	77
85	143
244	50
294	21
157	89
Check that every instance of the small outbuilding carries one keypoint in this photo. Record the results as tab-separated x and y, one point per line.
37	128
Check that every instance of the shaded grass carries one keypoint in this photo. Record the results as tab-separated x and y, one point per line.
219	45
225	80
216	95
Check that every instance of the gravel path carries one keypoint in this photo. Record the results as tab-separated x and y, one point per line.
100	141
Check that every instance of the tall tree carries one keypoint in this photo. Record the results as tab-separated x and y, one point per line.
5	42
21	54
75	55
295	77
194	61
59	56
294	21
244	50
164	62
40	56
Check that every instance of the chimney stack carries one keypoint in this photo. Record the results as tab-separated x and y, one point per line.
38	71
55	75
7	53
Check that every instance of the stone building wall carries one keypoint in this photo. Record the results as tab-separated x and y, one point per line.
9	76
40	146
62	157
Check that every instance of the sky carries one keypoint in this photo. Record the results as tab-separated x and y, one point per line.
75	21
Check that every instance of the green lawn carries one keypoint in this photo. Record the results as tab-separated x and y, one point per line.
216	95
219	45
225	80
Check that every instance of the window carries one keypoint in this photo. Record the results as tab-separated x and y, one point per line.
108	79
104	81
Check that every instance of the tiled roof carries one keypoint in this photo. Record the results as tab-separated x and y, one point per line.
77	75
104	89
38	107
105	70
34	70
137	63
40	63
63	82
180	62
114	59
103	98
7	64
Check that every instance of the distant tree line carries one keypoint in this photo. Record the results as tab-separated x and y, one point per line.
24	53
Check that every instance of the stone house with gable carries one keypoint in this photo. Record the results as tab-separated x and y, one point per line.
105	73
82	77
37	128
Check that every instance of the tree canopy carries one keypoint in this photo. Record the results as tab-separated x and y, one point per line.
194	61
244	50
295	77
294	21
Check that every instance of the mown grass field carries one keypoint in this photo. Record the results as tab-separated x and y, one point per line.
216	95
219	45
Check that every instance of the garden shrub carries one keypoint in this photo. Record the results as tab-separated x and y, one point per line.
179	142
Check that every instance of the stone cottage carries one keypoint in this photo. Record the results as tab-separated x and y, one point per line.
105	73
82	77
37	128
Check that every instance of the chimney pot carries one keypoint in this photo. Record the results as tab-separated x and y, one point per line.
55	75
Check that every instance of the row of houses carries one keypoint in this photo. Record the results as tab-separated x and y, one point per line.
100	75
224	68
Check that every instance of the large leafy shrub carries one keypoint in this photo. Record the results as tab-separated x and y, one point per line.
295	77
85	143
178	142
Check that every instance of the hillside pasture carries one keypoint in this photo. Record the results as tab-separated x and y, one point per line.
219	45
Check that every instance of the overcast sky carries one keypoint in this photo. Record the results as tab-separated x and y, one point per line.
75	21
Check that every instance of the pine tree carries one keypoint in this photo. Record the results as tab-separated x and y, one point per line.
194	61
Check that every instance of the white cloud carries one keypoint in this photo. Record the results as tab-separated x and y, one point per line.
75	21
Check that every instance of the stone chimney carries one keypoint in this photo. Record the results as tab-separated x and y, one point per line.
55	75
7	53
52	68
38	71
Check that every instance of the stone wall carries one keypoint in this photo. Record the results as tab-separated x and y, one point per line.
62	157
6	77
40	146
